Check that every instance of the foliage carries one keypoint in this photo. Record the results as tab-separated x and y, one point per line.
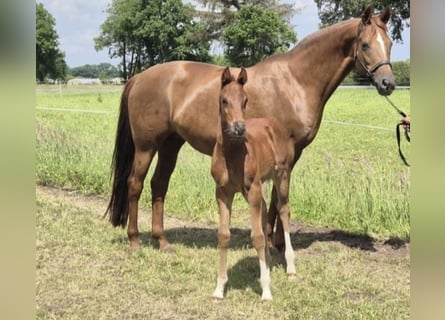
102	71
218	14
401	70
50	61
220	60
143	33
332	11
254	34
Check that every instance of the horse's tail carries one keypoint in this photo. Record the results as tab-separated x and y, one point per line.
122	162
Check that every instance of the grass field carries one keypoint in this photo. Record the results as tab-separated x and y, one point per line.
350	223
85	271
350	177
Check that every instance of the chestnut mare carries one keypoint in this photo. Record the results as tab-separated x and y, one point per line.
168	104
247	154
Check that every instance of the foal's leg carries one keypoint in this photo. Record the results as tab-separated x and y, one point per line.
256	202
141	162
283	208
224	200
167	156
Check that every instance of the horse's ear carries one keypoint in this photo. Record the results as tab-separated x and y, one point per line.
242	77
366	15
384	16
226	77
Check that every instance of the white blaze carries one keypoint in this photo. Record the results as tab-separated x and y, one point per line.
382	43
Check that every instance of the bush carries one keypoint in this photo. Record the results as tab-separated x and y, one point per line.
401	70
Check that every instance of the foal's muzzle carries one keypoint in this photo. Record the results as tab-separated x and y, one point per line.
238	129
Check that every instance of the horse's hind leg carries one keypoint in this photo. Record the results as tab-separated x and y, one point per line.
141	162
167	156
283	208
258	220
275	239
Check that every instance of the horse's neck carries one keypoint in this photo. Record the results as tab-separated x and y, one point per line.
321	61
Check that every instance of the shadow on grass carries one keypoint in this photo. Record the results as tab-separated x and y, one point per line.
240	238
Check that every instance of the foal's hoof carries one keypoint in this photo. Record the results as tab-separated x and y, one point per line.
266	297
217	297
168	249
291	277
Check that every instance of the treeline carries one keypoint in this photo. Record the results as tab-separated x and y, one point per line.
102	71
400	69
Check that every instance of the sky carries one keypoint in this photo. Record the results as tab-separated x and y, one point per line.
78	23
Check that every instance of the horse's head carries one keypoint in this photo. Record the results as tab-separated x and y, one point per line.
373	50
232	103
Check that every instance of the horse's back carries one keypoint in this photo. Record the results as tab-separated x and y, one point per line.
180	97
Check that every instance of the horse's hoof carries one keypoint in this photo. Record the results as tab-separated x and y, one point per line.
168	249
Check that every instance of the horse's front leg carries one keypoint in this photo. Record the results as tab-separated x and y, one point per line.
224	200
258	218
167	156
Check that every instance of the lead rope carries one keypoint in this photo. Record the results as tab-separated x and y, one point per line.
403	114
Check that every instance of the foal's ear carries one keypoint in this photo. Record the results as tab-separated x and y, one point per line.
366	15
384	16
226	77
242	77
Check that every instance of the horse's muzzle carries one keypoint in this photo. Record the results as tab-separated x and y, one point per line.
385	86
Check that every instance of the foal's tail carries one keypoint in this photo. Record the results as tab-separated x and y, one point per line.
122	162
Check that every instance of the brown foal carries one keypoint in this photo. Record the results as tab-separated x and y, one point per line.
247	154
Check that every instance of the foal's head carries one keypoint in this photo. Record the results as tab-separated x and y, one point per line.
373	49
232	103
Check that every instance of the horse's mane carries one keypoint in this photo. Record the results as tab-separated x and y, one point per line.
312	39
320	35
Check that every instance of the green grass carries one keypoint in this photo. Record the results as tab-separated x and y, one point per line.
85	271
350	178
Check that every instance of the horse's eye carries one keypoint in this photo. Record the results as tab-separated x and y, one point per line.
365	46
223	102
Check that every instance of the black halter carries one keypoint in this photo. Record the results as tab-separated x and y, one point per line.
369	71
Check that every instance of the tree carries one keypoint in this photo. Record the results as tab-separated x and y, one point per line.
102	71
218	14
50	61
332	11
143	33
254	34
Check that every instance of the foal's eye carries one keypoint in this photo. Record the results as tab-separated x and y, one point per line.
365	46
245	103
223	102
